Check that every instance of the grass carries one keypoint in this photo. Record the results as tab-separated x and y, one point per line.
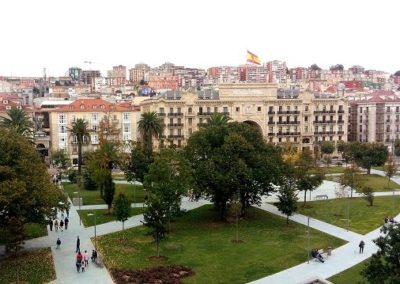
377	182
32	266
32	231
363	218
102	216
119	176
200	242
92	197
351	275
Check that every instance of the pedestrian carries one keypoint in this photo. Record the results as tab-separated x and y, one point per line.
56	225
83	266
78	244
361	246
61	225
62	215
78	261
94	256
66	221
86	258
51	224
67	212
58	243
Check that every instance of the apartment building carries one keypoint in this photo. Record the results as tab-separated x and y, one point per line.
138	73
123	116
303	119
375	117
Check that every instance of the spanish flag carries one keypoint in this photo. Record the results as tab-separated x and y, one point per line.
251	57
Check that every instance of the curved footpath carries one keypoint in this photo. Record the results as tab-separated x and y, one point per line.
341	259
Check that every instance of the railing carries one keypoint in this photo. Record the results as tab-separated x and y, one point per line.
324	122
325	111
175	113
271	112
161	114
288	112
175	124
288	133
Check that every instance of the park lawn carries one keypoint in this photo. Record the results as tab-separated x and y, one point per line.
351	275
330	170
32	266
92	197
118	177
32	231
377	182
363	218
102	216
198	241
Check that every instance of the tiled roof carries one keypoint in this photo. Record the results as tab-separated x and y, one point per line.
379	96
94	105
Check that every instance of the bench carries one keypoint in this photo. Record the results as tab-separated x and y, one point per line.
320	197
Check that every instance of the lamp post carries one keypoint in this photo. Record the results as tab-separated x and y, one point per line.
95	232
79	205
308	240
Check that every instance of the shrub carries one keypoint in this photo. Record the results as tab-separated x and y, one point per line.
73	176
368	194
88	182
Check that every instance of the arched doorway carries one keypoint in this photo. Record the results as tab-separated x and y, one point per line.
254	124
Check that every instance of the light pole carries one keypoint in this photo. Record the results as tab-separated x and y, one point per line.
79	205
95	232
308	240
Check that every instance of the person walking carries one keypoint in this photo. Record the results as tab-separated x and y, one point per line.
78	244
56	225
61	225
361	246
66	221
67	212
94	256
58	243
86	258
62	215
78	261
51	224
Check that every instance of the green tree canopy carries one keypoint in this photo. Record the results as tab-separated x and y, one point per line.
137	164
150	126
26	191
287	198
367	155
79	130
18	120
122	209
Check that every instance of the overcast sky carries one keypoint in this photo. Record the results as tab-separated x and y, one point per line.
57	34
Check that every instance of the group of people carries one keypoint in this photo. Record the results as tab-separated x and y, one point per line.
389	220
59	224
82	259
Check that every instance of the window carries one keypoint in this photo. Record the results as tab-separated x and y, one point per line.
179	110
126	128
288	108
271	109
115	117
215	109
259	108
171	110
360	118
171	121
190	121
63	129
280	108
190	110
306	108
62	119
161	110
190	131
95	117
82	106
306	118
237	109
387	109
397	109
208	110
126	116
94	127
200	110
360	128
305	128
271	129
225	109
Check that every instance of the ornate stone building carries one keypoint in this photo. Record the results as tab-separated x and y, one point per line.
304	119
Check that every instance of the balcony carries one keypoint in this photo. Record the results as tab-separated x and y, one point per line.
340	132
176	136
282	122
288	133
271	134
271	122
271	112
161	114
325	111
340	121
288	112
324	132
340	111
175	114
175	124
324	122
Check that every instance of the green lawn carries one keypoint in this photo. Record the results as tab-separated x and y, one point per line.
119	176
33	267
200	242
377	182
102	217
351	275
32	231
92	197
363	218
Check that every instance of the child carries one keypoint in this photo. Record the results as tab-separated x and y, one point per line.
58	243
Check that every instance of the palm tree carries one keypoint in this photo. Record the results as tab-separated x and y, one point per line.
80	130
217	119
19	121
150	125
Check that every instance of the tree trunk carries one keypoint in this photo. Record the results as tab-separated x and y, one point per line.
368	170
222	210
305	197
287	220
79	157
123	230
158	246
237	228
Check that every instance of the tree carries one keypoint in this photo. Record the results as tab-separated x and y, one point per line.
368	193
384	265
287	198
390	169
217	119
367	155
305	180
26	191
155	217
107	191
122	210
79	130
327	148
229	158
88	182
61	160
169	178
397	147
235	208
18	120
351	178
315	67
137	164
150	126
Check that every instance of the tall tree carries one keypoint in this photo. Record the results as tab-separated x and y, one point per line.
327	148
122	210
136	166
79	130
18	120
351	178
367	155
169	178
150	126
384	266
287	198
390	168
60	160
26	191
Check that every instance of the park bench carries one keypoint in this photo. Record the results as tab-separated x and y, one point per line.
320	197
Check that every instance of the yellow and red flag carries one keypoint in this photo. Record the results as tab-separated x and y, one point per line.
251	57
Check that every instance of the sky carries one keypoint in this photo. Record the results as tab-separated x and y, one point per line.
58	34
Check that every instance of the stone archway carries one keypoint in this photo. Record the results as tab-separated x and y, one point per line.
254	124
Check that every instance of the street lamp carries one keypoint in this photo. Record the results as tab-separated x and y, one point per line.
95	232
308	239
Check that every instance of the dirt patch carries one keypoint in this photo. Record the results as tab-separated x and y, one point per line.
171	274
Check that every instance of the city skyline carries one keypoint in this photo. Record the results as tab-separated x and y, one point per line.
59	35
